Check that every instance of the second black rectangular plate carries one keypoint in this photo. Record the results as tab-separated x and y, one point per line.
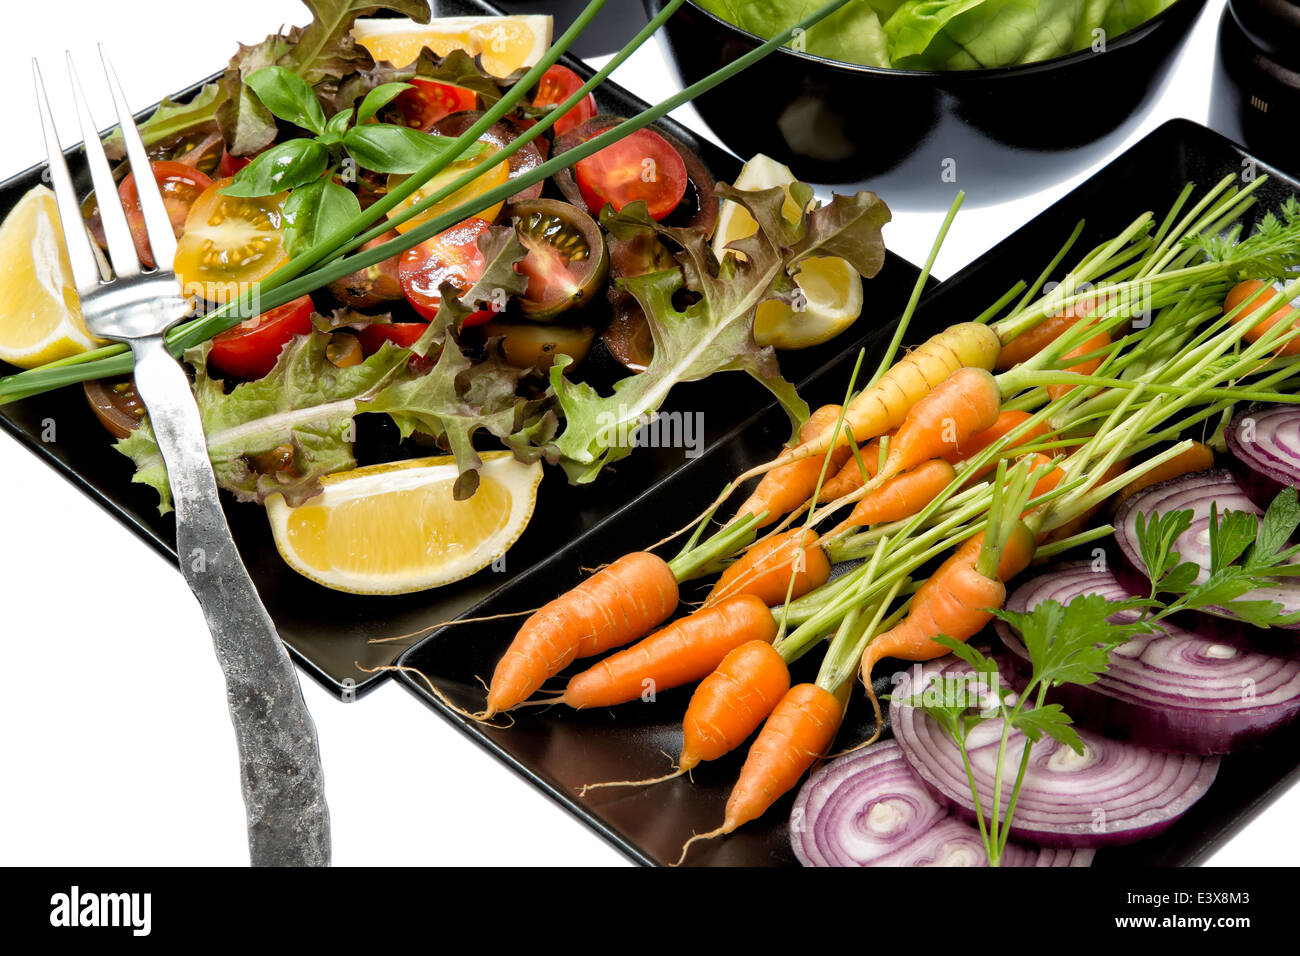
560	750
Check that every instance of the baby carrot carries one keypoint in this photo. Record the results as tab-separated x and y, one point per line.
854	473
963	405
883	405
786	487
1087	366
1005	423
901	496
615	605
767	567
726	708
686	650
800	730
1243	291
1033	340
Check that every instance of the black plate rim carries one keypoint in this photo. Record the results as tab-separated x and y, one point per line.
1179	129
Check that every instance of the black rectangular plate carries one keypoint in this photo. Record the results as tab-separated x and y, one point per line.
559	750
328	632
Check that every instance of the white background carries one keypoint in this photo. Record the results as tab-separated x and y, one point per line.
114	739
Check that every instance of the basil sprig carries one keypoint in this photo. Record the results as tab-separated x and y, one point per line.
307	167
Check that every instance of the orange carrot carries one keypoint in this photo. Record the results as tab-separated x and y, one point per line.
1243	291
883	405
725	709
1086	367
1017	551
800	730
1006	422
1032	341
965	404
901	496
686	650
767	567
731	702
1199	457
1049	480
617	604
786	487
849	478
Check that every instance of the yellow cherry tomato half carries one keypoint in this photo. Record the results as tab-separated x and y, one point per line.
230	242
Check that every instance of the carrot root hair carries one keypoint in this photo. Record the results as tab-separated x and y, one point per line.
649	781
480	717
686	847
440	625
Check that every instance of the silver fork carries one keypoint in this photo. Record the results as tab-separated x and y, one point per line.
284	798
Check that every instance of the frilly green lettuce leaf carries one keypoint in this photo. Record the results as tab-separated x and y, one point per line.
304	405
713	332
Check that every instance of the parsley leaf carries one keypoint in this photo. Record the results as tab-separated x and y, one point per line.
1048	719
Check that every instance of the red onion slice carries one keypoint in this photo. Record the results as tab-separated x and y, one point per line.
1264	450
1196	493
1180	691
867	808
1116	792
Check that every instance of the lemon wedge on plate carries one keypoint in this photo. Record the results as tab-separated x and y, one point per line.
831	288
506	44
395	528
40	315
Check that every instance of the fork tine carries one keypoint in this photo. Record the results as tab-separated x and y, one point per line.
121	247
85	269
162	238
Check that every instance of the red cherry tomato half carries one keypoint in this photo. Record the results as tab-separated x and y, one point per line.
451	256
251	349
640	166
557	85
230	165
427	102
401	334
180	184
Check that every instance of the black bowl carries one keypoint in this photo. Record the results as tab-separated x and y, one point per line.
839	121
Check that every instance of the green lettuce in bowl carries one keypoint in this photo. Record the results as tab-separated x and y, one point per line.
944	34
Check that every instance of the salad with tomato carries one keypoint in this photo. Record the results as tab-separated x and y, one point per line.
503	279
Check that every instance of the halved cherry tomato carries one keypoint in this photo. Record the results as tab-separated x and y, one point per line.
229	242
401	334
640	166
557	85
116	404
450	256
181	186
251	349
230	165
427	102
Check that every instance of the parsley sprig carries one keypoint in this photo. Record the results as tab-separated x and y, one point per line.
1067	644
1246	552
1071	643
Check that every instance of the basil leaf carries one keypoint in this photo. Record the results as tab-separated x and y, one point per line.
287	95
384	148
316	211
286	165
378	98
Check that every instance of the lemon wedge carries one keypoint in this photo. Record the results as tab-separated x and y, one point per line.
506	44
395	528
40	315
830	288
